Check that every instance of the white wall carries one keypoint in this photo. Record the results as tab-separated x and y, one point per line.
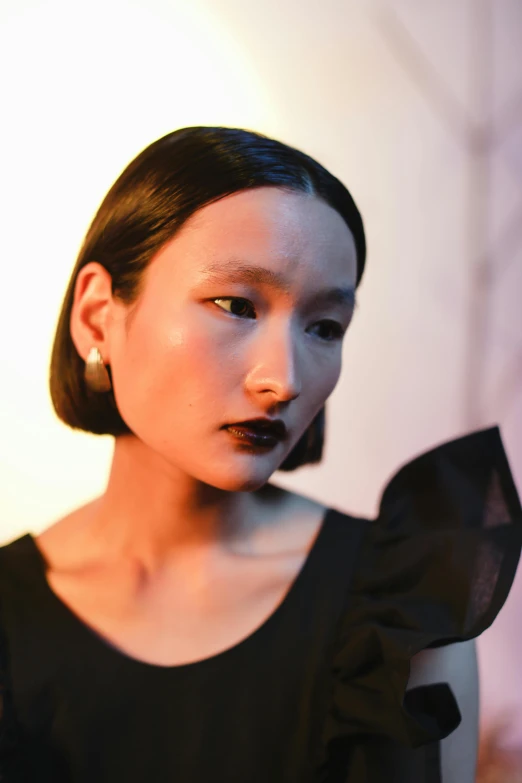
389	96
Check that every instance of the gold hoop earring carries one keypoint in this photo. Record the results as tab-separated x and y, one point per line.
96	375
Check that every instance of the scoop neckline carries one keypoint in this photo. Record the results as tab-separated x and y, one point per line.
103	646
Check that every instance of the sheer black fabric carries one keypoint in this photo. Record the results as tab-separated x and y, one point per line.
434	568
317	693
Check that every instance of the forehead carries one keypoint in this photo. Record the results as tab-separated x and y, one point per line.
286	218
294	235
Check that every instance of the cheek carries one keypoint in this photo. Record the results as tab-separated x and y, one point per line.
326	385
333	376
322	385
170	374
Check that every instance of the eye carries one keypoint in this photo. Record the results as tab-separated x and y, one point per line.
336	329
233	299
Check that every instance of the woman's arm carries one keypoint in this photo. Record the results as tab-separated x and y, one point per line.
455	664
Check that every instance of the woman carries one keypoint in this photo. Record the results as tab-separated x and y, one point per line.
194	622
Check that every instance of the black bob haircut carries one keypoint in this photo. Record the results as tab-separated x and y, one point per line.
156	193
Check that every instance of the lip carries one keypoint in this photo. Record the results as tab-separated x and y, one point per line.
253	438
274	427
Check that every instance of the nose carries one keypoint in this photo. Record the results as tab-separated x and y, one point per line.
275	364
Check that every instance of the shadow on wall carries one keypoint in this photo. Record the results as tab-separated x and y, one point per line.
496	763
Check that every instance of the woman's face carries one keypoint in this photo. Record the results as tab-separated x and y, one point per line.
184	365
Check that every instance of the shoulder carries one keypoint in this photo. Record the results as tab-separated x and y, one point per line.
57	542
13	554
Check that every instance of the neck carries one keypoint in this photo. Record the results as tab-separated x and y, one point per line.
150	515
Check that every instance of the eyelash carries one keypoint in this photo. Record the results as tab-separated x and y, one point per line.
335	327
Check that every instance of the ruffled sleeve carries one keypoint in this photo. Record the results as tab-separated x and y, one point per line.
434	568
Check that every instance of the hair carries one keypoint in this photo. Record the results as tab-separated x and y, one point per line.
152	198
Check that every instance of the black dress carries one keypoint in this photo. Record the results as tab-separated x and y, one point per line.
317	693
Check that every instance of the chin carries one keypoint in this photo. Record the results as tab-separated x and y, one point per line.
241	480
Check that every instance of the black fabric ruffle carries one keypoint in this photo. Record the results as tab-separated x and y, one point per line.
434	568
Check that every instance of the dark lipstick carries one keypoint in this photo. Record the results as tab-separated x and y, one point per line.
259	432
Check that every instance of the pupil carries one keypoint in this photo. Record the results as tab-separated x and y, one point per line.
238	304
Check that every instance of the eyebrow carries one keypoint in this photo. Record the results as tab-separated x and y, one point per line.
240	272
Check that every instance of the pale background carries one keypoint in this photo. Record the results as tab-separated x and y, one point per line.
415	104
